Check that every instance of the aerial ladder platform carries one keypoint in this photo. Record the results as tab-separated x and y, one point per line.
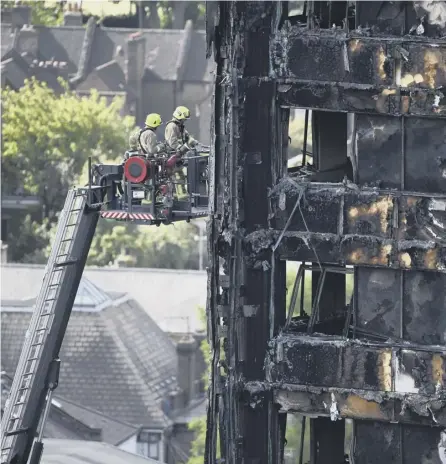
109	194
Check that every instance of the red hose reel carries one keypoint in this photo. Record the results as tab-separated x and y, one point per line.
171	163
137	169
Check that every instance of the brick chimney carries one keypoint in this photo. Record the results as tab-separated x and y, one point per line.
135	67
186	351
73	15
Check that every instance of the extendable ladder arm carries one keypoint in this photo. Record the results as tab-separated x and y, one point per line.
36	375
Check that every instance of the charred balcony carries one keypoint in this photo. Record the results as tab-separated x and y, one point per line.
355	71
344	224
333	376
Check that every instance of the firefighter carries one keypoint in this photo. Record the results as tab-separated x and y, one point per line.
147	141
178	139
133	146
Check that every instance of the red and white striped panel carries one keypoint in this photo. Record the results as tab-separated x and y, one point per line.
114	214
141	216
119	215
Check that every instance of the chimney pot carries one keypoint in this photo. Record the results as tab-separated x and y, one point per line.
72	17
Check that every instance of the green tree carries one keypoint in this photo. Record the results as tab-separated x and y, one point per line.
198	425
170	246
46	141
296	132
169	14
41	14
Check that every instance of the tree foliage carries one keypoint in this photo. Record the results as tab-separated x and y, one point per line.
169	14
41	14
46	141
296	133
198	425
170	246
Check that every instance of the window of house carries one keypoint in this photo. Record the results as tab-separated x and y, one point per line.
148	444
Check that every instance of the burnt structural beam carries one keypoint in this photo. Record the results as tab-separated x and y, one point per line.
343	223
249	306
329	136
387	381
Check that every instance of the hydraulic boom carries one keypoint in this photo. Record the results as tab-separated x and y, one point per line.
37	371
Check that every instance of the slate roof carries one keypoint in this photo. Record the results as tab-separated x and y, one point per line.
163	46
6	38
16	69
63	43
195	410
197	68
169	296
60	424
82	452
75	422
55	428
114	432
115	359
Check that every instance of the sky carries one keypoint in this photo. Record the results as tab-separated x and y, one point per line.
100	7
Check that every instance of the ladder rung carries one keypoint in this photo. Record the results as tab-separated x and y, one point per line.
16	432
62	255
18	404
31	359
66	263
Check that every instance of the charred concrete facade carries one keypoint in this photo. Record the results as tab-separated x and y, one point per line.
373	204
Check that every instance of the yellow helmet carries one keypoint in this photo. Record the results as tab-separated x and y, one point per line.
181	113
153	120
